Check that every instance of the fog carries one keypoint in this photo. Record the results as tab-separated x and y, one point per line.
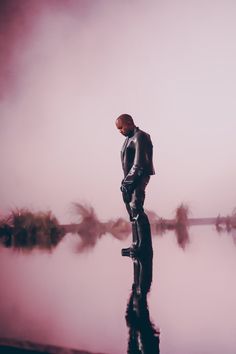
68	69
77	65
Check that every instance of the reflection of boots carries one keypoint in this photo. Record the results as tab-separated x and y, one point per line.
132	250
126	252
144	234
142	241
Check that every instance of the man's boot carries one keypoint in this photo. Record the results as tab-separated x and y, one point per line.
142	241
144	234
129	251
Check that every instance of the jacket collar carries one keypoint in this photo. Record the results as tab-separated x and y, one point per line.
136	129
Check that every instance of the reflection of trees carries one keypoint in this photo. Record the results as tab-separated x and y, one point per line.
143	336
23	229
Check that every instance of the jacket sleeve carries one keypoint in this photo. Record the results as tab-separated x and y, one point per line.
137	169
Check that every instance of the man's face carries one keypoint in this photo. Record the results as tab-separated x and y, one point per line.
124	128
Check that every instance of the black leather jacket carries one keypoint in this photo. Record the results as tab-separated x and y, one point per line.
136	158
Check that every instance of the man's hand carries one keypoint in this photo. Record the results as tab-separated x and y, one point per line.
126	193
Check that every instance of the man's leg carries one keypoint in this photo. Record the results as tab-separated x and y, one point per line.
138	197
141	231
140	219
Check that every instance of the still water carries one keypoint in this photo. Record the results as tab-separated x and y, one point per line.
79	300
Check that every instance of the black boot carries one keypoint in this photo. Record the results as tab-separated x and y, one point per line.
132	250
144	234
142	240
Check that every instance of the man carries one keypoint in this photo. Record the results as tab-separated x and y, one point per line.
136	158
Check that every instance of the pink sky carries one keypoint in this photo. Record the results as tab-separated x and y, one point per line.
74	67
169	64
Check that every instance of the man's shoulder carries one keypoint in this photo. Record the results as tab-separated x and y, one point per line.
142	134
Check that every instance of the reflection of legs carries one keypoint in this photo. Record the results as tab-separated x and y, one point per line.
144	241
140	224
138	197
142	231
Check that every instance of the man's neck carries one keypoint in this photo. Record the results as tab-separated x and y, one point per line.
131	132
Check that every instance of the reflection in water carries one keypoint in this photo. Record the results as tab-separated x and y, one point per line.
143	337
23	229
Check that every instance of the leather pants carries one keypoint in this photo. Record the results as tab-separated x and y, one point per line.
135	207
141	230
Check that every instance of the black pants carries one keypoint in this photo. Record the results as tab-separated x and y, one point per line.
140	224
135	207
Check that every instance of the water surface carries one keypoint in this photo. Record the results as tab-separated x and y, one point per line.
80	300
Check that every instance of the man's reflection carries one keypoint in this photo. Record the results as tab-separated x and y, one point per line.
143	337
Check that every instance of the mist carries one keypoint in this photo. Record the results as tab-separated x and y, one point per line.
77	65
68	69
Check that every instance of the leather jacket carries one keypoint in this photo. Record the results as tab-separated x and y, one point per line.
136	158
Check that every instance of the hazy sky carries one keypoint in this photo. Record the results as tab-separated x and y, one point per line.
67	70
76	65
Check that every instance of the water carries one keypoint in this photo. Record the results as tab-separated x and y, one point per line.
80	300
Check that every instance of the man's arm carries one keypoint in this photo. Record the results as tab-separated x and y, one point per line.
129	183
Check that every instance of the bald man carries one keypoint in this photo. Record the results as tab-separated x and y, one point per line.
136	159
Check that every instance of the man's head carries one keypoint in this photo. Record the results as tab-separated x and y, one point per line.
125	124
